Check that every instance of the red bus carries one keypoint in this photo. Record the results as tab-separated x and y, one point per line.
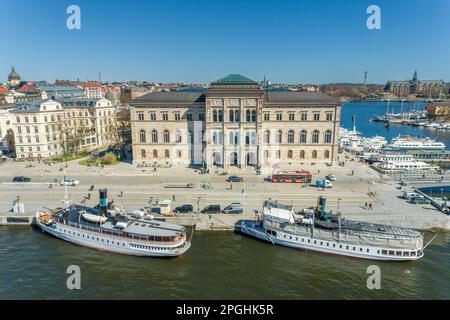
292	177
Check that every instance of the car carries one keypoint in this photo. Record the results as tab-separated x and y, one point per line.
234	208
69	182
331	177
235	179
409	195
21	179
212	209
419	200
185	208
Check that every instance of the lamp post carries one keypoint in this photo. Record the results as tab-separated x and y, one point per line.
198	205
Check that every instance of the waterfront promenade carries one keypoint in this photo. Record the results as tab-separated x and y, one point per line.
142	185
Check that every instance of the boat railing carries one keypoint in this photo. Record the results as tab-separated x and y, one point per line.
149	239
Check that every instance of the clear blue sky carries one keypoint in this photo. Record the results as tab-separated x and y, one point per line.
317	41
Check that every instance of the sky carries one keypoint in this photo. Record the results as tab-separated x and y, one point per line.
199	41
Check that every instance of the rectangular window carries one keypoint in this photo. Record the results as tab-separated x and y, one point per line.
304	116
201	117
165	116
266	116
316	116
177	116
329	116
152	116
279	116
189	117
291	116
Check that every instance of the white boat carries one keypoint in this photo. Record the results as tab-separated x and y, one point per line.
403	163
411	143
323	232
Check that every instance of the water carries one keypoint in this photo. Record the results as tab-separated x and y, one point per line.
223	265
364	111
218	266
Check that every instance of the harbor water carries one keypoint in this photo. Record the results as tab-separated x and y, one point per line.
223	265
364	111
218	266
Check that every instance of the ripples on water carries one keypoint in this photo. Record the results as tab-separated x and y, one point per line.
218	266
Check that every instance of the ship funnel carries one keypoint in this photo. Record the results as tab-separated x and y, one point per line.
321	204
103	194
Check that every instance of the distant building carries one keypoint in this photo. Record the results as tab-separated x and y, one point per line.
92	90
13	78
131	93
415	86
438	109
63	91
6	129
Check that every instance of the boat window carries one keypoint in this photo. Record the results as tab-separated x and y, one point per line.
413	254
334	245
406	253
391	253
347	247
321	243
340	246
360	249
315	242
309	241
367	250
354	248
384	252
398	253
328	244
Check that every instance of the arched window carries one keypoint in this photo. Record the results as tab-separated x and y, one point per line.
247	138
231	137
178	138
191	136
315	136
314	154
236	115
154	136
290	154
267	136
143	154
231	116
236	138
253	115
278	154
328	136
247	115
279	137
327	154
253	138
220	116
290	136
166	154
34	119
155	153
166	135
142	136
26	119
303	136
214	137
214	115
302	154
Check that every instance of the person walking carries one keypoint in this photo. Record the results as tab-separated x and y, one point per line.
121	193
365	205
370	207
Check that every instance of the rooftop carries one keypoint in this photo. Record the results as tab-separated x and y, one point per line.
234	79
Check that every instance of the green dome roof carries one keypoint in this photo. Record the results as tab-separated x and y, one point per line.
13	75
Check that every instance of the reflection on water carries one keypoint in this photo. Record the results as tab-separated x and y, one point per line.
218	266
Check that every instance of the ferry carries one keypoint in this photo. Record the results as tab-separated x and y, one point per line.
411	143
318	230
403	162
113	230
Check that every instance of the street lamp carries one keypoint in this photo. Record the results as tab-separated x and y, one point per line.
198	205
339	200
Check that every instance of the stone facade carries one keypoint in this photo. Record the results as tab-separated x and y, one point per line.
235	123
47	128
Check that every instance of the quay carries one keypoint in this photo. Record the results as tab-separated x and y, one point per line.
134	188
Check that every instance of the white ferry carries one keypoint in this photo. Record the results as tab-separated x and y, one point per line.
410	143
403	162
111	231
326	233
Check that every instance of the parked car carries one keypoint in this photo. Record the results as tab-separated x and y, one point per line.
185	208
69	182
235	179
234	208
21	179
323	183
409	195
211	209
419	200
331	177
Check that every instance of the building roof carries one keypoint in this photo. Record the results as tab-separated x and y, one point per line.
13	75
299	98
90	84
3	90
170	97
58	88
234	79
28	89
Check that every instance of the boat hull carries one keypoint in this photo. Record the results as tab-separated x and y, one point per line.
250	228
127	247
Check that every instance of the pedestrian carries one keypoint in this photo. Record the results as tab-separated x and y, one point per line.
121	193
353	172
365	206
370	207
89	196
231	186
318	171
173	197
